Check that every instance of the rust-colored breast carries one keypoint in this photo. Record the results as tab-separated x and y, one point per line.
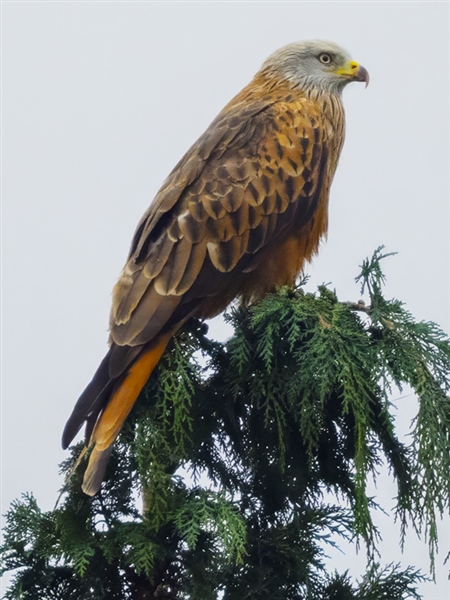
238	216
301	155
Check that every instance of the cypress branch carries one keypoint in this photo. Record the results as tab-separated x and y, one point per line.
234	461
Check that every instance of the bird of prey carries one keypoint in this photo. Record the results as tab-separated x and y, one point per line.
238	216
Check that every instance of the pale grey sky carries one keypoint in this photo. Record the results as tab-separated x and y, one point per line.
101	99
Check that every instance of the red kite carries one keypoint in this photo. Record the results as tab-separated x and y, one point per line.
238	216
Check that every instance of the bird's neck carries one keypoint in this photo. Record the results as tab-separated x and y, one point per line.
263	86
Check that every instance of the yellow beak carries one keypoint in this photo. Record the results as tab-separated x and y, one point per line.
354	71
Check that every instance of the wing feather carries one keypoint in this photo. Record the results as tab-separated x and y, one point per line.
225	255
252	177
147	320
175	267
193	268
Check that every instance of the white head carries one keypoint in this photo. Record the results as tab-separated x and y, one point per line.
315	64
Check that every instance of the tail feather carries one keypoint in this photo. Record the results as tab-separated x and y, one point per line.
110	422
96	394
95	471
92	397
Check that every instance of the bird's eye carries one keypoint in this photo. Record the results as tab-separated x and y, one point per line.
325	58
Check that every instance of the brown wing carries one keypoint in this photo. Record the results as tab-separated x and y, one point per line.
237	216
257	174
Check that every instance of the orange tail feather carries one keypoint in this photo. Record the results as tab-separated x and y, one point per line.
117	410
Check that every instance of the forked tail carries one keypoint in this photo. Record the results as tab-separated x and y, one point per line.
107	402
118	408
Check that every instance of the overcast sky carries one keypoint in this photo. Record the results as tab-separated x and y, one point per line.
101	99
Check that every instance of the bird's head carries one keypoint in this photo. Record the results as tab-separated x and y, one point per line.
315	65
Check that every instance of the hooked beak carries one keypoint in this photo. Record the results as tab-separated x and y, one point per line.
361	74
354	72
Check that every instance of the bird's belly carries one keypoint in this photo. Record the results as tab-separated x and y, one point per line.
282	263
277	265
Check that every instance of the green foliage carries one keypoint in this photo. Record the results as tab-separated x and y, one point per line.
235	450
390	583
207	511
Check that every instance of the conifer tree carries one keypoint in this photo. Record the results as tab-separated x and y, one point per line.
220	483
